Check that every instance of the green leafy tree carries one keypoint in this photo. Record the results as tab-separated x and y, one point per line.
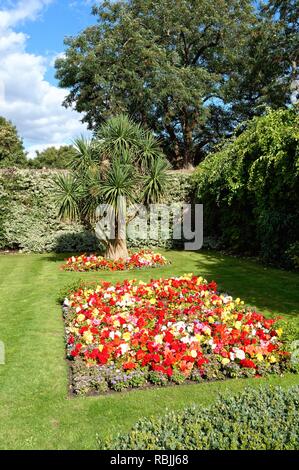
285	13
268	73
53	157
165	63
123	161
250	189
12	152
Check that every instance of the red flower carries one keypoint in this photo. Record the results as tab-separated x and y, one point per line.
247	363
129	365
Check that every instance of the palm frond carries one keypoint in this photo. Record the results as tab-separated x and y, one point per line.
119	135
85	154
68	195
155	180
120	182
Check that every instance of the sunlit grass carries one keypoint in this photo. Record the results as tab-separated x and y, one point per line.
35	410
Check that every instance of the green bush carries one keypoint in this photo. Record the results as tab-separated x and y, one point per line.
257	419
28	214
250	190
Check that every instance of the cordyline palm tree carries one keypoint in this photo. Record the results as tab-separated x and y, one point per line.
123	161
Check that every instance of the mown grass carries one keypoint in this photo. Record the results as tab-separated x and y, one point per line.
35	410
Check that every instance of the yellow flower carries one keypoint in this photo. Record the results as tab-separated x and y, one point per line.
88	337
272	359
100	347
237	300
116	323
126	336
211	319
193	353
279	331
80	317
152	301
238	325
158	339
225	361
199	337
260	357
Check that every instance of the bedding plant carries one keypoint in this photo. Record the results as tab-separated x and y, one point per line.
132	334
138	260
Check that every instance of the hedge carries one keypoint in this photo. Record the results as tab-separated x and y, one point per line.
250	190
28	213
257	419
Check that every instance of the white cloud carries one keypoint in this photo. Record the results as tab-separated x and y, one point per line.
26	97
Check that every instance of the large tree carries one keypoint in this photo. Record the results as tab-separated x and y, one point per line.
285	15
53	157
11	146
267	73
165	62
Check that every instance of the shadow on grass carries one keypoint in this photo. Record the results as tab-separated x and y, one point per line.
269	289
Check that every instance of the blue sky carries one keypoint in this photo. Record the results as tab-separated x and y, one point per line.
31	37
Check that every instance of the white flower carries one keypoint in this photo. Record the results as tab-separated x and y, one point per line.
124	348
240	354
232	356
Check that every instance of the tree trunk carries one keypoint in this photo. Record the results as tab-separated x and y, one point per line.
116	249
188	156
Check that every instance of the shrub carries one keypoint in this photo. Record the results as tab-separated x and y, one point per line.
257	419
250	190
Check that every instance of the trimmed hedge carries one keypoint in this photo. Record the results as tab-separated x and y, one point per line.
256	419
28	214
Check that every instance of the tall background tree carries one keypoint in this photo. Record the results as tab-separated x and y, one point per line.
165	63
267	73
12	152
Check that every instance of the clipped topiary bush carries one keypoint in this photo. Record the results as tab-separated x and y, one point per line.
265	418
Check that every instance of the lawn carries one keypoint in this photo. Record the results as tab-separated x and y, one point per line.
35	410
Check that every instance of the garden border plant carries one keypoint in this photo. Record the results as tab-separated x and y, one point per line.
142	259
168	331
265	418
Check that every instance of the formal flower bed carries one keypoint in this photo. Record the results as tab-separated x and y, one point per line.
168	330
141	259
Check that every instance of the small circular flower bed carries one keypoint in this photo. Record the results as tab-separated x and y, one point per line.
141	259
168	330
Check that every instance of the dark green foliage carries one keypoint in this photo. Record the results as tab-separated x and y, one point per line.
165	63
53	157
250	189
189	70
257	419
11	146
